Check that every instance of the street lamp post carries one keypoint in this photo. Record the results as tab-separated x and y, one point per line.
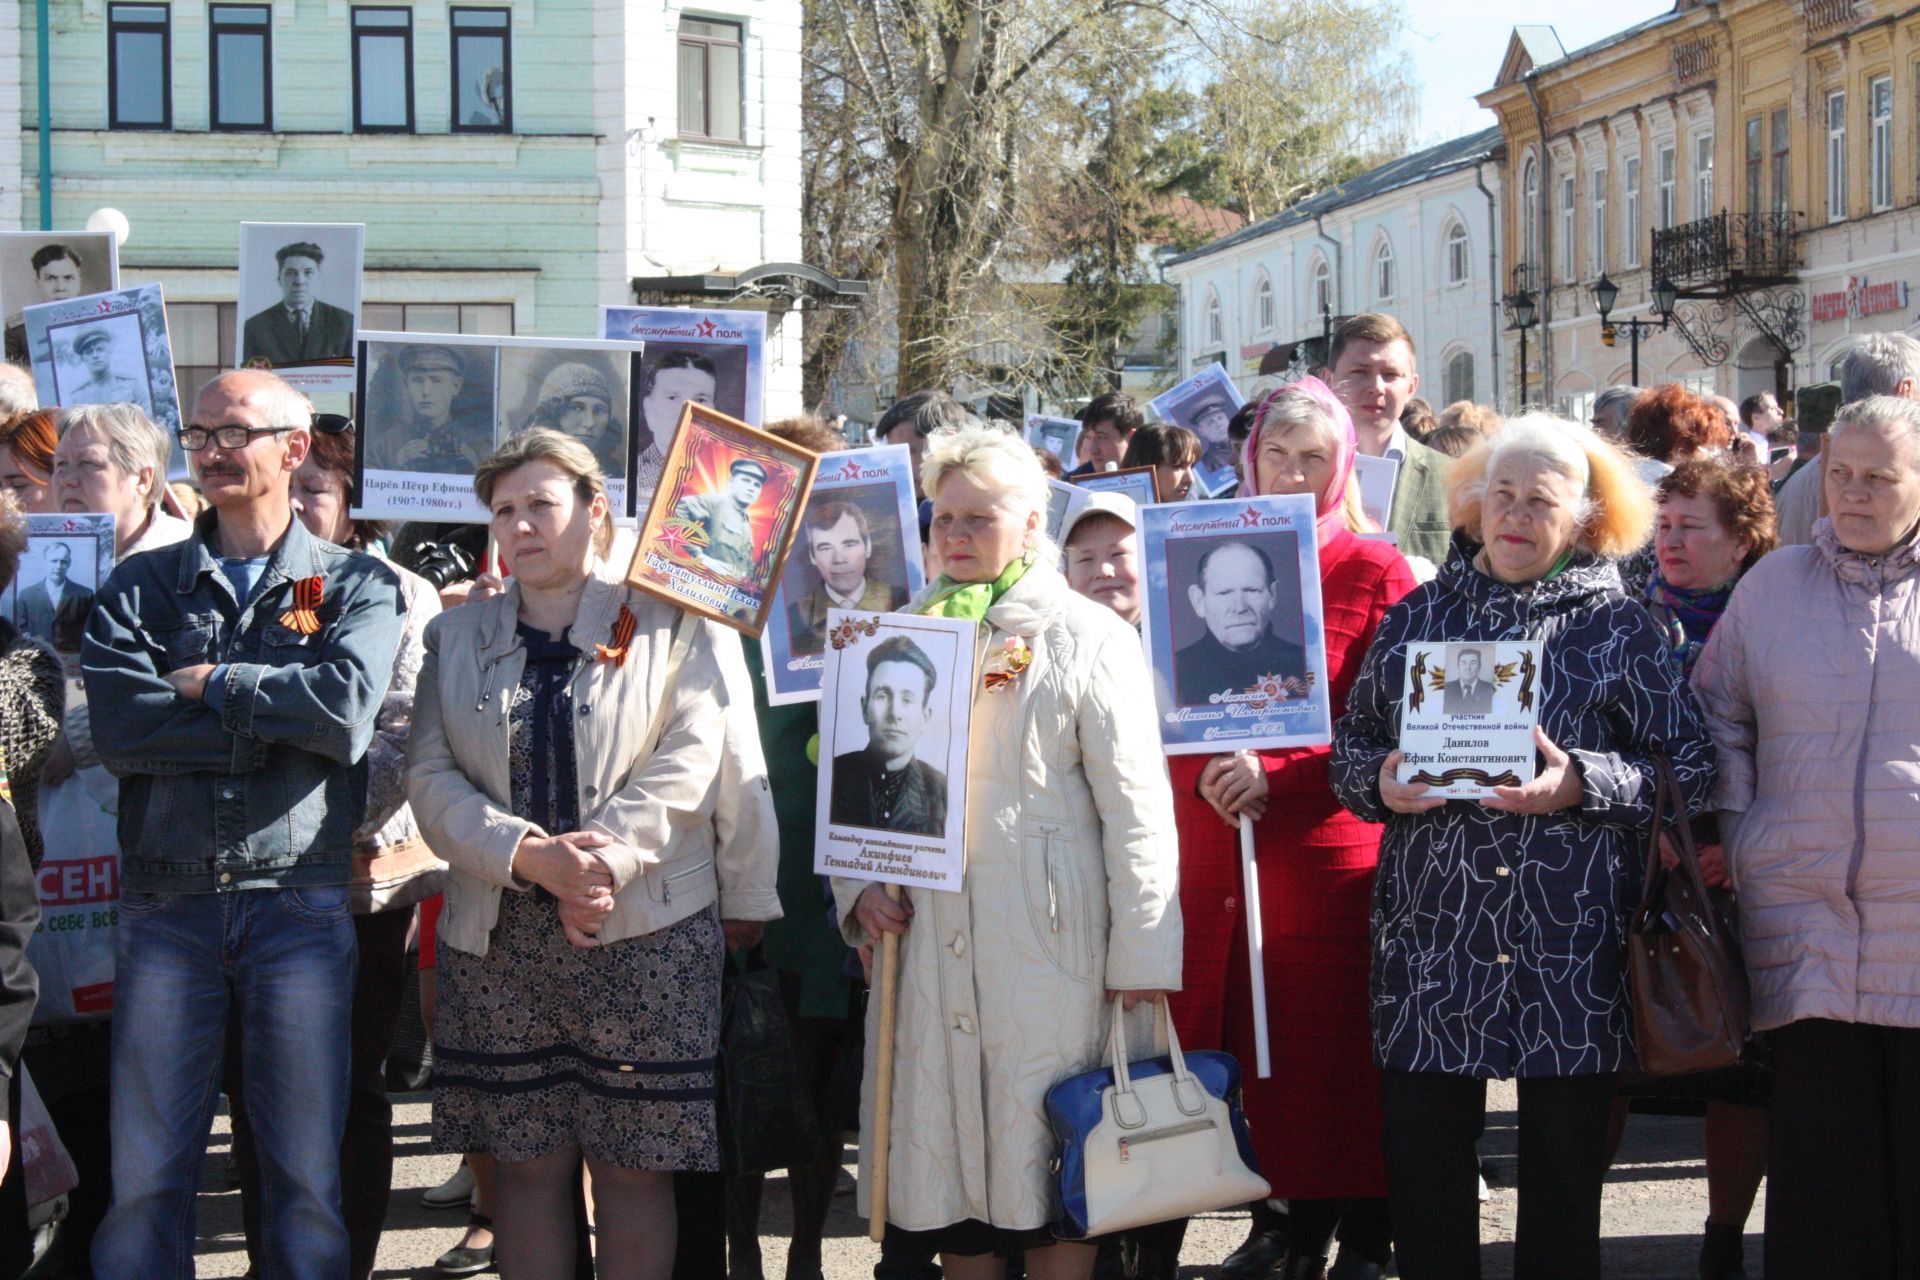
1520	314
1606	293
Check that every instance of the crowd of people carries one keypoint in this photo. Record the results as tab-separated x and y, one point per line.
574	802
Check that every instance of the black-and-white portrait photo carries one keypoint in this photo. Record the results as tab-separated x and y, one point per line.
429	406
581	392
101	362
56	590
299	293
881	775
846	557
1242	621
1469	686
1204	404
52	266
711	375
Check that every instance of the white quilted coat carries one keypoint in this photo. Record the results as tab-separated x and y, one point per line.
1070	889
1811	687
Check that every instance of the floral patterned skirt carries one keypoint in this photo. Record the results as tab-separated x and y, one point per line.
541	1045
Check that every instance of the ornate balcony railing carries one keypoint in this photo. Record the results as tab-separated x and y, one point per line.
1728	251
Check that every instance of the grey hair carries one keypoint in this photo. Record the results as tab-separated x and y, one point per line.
998	460
1884	411
17	394
1547	438
1296	409
133	439
1606	400
1877	365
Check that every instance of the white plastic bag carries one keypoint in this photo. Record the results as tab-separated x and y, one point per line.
49	1169
79	884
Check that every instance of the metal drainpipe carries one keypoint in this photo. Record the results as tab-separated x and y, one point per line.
1543	213
43	48
1493	276
1339	268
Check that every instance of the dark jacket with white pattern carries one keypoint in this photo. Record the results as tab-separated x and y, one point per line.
1498	938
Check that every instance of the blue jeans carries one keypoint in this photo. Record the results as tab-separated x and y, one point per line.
282	961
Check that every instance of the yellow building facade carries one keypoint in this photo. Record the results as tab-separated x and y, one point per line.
1757	159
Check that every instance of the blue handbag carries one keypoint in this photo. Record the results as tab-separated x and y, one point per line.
1150	1141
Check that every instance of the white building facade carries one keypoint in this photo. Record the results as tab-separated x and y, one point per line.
1415	238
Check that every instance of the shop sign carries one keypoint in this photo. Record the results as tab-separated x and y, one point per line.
1859	299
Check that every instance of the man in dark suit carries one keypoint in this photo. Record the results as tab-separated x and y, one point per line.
55	607
299	329
1468	693
884	784
839	545
1235	598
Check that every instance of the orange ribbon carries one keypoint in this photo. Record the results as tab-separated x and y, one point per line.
622	639
304	617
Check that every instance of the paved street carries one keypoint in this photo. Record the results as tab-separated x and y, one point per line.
1655	1203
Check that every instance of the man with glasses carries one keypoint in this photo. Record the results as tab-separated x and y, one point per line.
244	667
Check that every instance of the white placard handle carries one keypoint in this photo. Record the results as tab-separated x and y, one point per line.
1256	950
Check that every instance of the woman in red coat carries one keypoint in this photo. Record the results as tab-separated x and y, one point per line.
1316	1120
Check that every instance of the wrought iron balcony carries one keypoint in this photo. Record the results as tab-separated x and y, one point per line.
1824	14
1728	253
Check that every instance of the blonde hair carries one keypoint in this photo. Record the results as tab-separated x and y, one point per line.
133	440
1617	509
565	452
997	460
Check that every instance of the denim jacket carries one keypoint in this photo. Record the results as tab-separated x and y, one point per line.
266	791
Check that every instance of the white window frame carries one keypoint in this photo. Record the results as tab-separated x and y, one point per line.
1630	212
1597	251
1320	287
1530	212
1880	138
1669	177
1702	175
1567	226
1836	117
1213	324
1383	280
1459	252
1263	303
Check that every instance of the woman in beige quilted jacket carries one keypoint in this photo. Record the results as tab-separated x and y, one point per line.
1811	686
1069	899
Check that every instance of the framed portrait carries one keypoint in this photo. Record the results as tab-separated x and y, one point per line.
1467	715
1058	436
1138	483
1376	478
68	556
858	548
896	700
1233	624
722	519
106	348
1063	499
715	358
51	266
299	300
1204	404
434	406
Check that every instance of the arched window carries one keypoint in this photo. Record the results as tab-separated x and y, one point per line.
1383	271
1262	304
1459	380
1215	327
1530	213
1320	293
1459	255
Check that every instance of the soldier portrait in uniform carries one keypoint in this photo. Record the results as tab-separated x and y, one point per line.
105	363
724	518
435	409
1204	404
884	783
300	296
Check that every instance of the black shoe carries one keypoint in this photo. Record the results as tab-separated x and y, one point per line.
1302	1267
1351	1266
1265	1247
1723	1254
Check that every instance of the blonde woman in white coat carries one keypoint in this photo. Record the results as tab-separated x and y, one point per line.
1069	901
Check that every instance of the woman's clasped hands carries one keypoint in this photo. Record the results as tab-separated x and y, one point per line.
567	867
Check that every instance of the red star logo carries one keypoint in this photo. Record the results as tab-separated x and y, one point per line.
851	471
1250	518
678	539
706	327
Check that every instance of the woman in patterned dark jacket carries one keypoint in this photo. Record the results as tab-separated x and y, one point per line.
1499	924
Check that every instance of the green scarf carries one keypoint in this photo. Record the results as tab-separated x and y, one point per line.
971	600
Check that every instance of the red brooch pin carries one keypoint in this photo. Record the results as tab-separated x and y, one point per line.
616	652
304	617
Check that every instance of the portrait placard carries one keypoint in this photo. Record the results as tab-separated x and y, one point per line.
52	266
299	300
715	358
68	556
1204	404
1057	436
1233	624
1139	483
1376	478
105	348
1063	499
858	548
896	701
722	519
433	406
1466	725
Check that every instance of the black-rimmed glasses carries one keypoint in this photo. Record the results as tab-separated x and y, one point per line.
195	438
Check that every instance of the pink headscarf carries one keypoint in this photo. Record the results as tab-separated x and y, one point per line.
1330	504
